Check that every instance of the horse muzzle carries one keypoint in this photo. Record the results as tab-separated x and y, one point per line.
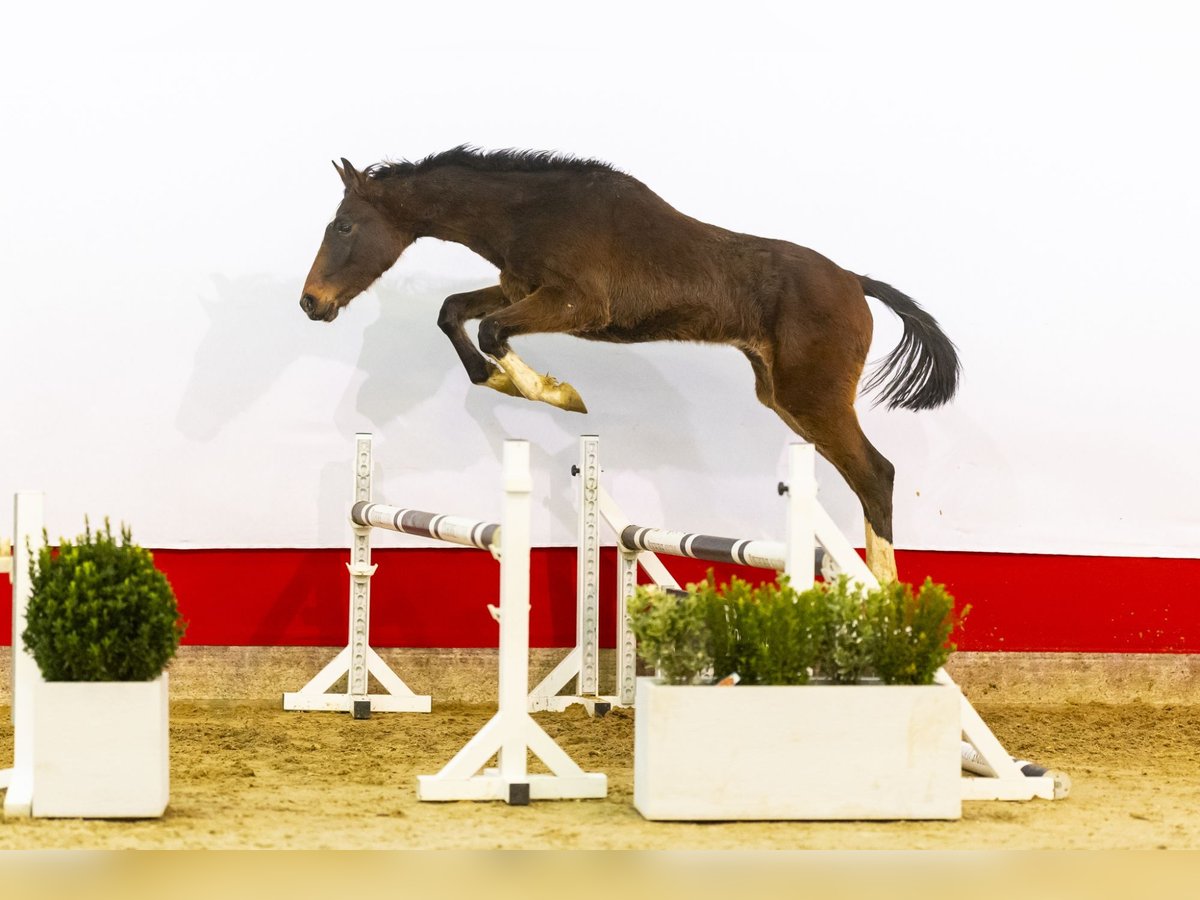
317	311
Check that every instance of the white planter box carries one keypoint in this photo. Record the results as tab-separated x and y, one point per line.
796	752
100	748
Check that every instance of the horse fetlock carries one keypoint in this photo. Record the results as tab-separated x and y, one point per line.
498	380
881	557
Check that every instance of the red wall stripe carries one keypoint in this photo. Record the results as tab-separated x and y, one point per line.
438	598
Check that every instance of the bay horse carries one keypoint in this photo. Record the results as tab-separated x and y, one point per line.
587	250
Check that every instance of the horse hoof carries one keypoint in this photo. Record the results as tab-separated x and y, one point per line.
566	397
499	381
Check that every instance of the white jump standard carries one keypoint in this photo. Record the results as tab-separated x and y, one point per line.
358	660
512	734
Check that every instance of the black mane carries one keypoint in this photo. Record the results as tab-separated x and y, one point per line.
490	161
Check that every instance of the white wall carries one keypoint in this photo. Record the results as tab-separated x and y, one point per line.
1028	172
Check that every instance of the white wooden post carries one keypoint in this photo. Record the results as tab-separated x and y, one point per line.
28	516
514	604
800	534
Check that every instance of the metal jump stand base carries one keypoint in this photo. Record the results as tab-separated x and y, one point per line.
314	696
464	777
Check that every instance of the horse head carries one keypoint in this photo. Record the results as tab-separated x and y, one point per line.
360	244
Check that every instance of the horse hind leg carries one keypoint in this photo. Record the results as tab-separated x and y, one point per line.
543	311
824	415
870	475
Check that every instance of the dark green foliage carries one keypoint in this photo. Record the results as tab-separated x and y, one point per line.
733	624
774	635
671	631
910	635
840	620
100	611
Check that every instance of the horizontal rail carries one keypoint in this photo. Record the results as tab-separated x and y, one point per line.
452	529
763	554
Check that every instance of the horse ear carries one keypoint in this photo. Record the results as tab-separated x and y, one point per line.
350	176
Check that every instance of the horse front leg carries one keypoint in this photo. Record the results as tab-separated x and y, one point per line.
457	310
546	310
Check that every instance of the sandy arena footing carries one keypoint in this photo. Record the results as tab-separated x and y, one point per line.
247	774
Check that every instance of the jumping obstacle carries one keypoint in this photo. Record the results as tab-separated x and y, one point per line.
808	531
512	733
28	513
813	542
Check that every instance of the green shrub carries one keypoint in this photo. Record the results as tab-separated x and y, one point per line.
100	611
844	631
731	624
785	642
672	634
775	635
910	638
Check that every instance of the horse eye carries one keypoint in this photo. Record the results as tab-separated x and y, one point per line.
344	228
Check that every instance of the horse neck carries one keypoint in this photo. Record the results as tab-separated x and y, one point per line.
472	208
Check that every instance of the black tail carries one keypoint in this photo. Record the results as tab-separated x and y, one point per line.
922	372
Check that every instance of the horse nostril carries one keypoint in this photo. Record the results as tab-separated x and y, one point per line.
308	303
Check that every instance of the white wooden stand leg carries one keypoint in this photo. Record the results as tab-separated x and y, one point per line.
512	733
28	512
357	660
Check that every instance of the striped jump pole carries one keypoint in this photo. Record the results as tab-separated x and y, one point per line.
762	554
452	529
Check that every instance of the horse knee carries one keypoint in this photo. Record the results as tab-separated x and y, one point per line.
449	319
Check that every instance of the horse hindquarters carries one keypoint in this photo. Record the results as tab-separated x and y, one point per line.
810	378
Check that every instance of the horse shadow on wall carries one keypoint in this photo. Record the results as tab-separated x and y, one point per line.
670	406
666	409
256	332
691	404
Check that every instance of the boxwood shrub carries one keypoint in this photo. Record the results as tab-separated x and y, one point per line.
834	632
100	611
